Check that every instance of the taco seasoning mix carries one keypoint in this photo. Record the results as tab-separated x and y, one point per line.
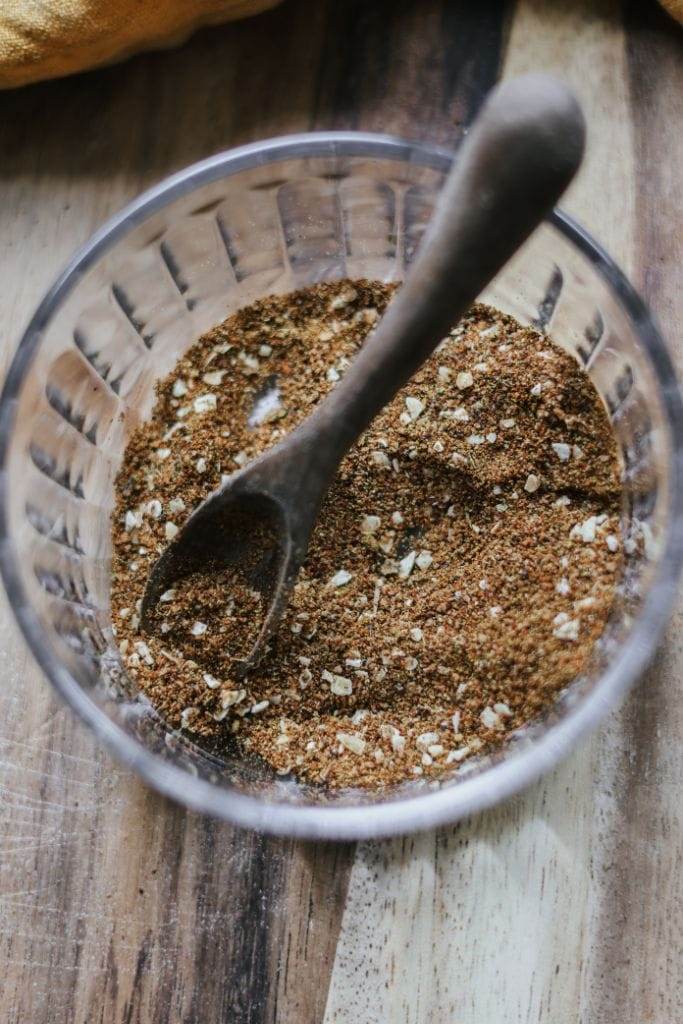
461	571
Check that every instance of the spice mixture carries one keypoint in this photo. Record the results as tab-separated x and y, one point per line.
461	571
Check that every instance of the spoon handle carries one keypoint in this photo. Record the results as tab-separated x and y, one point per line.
517	159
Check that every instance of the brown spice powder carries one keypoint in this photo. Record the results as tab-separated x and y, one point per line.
461	571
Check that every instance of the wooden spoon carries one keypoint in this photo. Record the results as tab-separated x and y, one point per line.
515	162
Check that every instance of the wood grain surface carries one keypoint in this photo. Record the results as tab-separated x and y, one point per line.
563	906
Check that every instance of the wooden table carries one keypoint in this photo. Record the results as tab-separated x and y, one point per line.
563	906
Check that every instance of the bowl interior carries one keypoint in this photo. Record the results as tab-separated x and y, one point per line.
266	220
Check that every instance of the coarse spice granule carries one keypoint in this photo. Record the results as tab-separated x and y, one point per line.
462	568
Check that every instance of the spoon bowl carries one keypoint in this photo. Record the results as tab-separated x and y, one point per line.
242	528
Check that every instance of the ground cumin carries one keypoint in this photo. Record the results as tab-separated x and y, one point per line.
462	568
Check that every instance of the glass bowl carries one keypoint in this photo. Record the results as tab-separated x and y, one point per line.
267	218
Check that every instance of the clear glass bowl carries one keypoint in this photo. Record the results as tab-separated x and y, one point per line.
269	218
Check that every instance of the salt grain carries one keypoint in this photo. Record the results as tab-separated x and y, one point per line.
132	521
143	652
587	530
489	719
229	698
204	403
425	740
352	742
457	755
250	363
563	451
339	685
343	299
424	560
568	630
154	508
415	407
340	579
405	566
381	459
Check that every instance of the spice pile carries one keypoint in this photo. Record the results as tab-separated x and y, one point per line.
461	571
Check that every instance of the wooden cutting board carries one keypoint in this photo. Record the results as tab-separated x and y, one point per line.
563	906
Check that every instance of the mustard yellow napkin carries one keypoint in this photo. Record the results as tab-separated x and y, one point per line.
50	38
674	7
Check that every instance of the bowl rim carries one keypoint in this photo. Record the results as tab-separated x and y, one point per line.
428	808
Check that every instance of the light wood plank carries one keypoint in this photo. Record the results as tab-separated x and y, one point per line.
637	932
517	914
474	924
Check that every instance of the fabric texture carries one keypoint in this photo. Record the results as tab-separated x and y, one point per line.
50	38
675	8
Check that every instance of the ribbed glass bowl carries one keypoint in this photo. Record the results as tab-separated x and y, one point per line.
268	218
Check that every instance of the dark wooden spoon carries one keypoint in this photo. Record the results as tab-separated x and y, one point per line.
517	159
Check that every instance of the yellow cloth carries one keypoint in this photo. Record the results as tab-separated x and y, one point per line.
50	38
675	8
